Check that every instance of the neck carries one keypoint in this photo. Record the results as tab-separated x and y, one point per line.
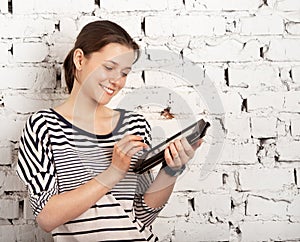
81	107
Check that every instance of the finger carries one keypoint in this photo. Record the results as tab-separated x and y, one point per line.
173	150
176	156
169	158
183	156
128	138
125	148
133	151
197	144
180	149
187	147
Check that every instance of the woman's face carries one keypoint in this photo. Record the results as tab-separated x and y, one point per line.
103	74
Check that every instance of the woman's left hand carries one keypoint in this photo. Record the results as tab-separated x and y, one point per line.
179	152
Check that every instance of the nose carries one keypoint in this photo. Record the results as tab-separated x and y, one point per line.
113	80
115	77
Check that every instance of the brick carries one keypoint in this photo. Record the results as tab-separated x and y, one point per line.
30	103
296	74
10	128
25	232
295	126
254	77
292	101
219	204
164	228
240	131
9	209
34	78
266	208
84	20
294	209
269	230
4	53
232	102
59	51
283	128
5	154
4	222
283	50
131	23
227	50
3	6
177	206
2	179
262	25
142	5
195	231
287	5
27	212
68	28
7	233
215	74
236	153
265	101
184	25
219	5
293	28
288	150
160	78
10	182
43	236
25	26
212	181
13	183
30	52
43	6
263	127
265	179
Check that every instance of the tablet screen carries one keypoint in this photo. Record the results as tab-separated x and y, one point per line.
155	156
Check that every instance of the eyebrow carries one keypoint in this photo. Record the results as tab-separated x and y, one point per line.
116	63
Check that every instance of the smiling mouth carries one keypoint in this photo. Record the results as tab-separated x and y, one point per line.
107	89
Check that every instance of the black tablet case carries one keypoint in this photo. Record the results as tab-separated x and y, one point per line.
145	163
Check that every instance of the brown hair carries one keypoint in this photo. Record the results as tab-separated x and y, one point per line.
92	38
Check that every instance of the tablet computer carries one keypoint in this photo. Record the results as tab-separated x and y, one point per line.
155	155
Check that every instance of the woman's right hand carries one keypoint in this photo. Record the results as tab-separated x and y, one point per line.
124	149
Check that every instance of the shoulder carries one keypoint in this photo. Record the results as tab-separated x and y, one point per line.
37	119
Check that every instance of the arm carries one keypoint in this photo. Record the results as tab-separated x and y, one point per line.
64	207
177	154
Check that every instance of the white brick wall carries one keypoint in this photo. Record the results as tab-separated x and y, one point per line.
30	52
262	25
184	25
270	230
248	188
229	5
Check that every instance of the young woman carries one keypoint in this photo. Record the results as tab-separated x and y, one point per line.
77	158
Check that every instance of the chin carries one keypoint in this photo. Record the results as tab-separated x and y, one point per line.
103	101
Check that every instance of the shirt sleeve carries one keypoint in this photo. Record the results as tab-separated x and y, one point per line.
35	162
142	211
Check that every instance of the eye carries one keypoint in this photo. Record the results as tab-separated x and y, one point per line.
124	74
109	68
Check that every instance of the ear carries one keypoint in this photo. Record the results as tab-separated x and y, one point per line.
78	58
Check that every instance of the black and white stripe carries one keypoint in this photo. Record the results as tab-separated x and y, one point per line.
56	156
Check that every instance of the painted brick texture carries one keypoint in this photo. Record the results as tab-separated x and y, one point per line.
248	50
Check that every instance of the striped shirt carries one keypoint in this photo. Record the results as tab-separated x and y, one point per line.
55	157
